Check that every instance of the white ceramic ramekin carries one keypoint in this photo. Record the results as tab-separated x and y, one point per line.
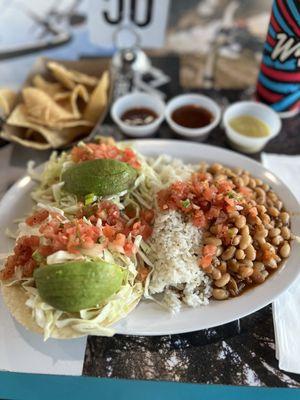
194	99
247	144
138	100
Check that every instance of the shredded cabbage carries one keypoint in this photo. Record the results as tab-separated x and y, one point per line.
63	256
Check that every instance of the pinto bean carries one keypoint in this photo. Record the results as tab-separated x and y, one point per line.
220	294
245	230
245	271
273	211
216	167
228	253
245	241
250	252
213	240
258	266
223	267
285	233
239	254
265	219
233	265
220	250
238	181
277	240
252	183
285	250
285	217
223	280
248	263
236	240
261	209
259	276
260	232
274	232
216	274
240	221
261	195
272	196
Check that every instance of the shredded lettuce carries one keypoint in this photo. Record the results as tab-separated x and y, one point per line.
62	256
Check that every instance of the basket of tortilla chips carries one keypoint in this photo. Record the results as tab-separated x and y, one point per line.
60	103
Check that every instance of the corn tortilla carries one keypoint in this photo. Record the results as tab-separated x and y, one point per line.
15	298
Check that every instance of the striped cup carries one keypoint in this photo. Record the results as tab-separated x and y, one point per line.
278	82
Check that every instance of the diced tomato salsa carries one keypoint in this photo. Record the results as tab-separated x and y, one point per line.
22	258
93	151
206	202
81	233
200	198
208	252
37	217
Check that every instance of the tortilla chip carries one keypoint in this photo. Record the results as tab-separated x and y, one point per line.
15	298
42	107
51	88
70	100
98	100
18	127
19	117
58	125
7	100
68	78
18	135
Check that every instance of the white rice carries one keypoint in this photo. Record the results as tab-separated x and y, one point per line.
176	248
170	170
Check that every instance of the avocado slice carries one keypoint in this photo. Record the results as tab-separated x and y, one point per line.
77	285
101	177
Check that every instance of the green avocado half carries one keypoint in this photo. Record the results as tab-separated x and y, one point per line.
77	285
101	177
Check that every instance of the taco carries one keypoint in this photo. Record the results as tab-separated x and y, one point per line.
74	269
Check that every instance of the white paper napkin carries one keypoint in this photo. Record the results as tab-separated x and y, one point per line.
286	309
23	351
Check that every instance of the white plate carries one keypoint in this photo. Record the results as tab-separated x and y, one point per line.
148	318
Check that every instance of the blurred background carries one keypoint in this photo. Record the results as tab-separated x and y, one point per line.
225	36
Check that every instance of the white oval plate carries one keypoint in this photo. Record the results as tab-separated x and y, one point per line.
148	318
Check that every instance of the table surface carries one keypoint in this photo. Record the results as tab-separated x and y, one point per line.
238	353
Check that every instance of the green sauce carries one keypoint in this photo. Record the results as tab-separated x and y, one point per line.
247	125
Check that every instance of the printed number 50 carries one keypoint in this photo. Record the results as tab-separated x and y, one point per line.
132	15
